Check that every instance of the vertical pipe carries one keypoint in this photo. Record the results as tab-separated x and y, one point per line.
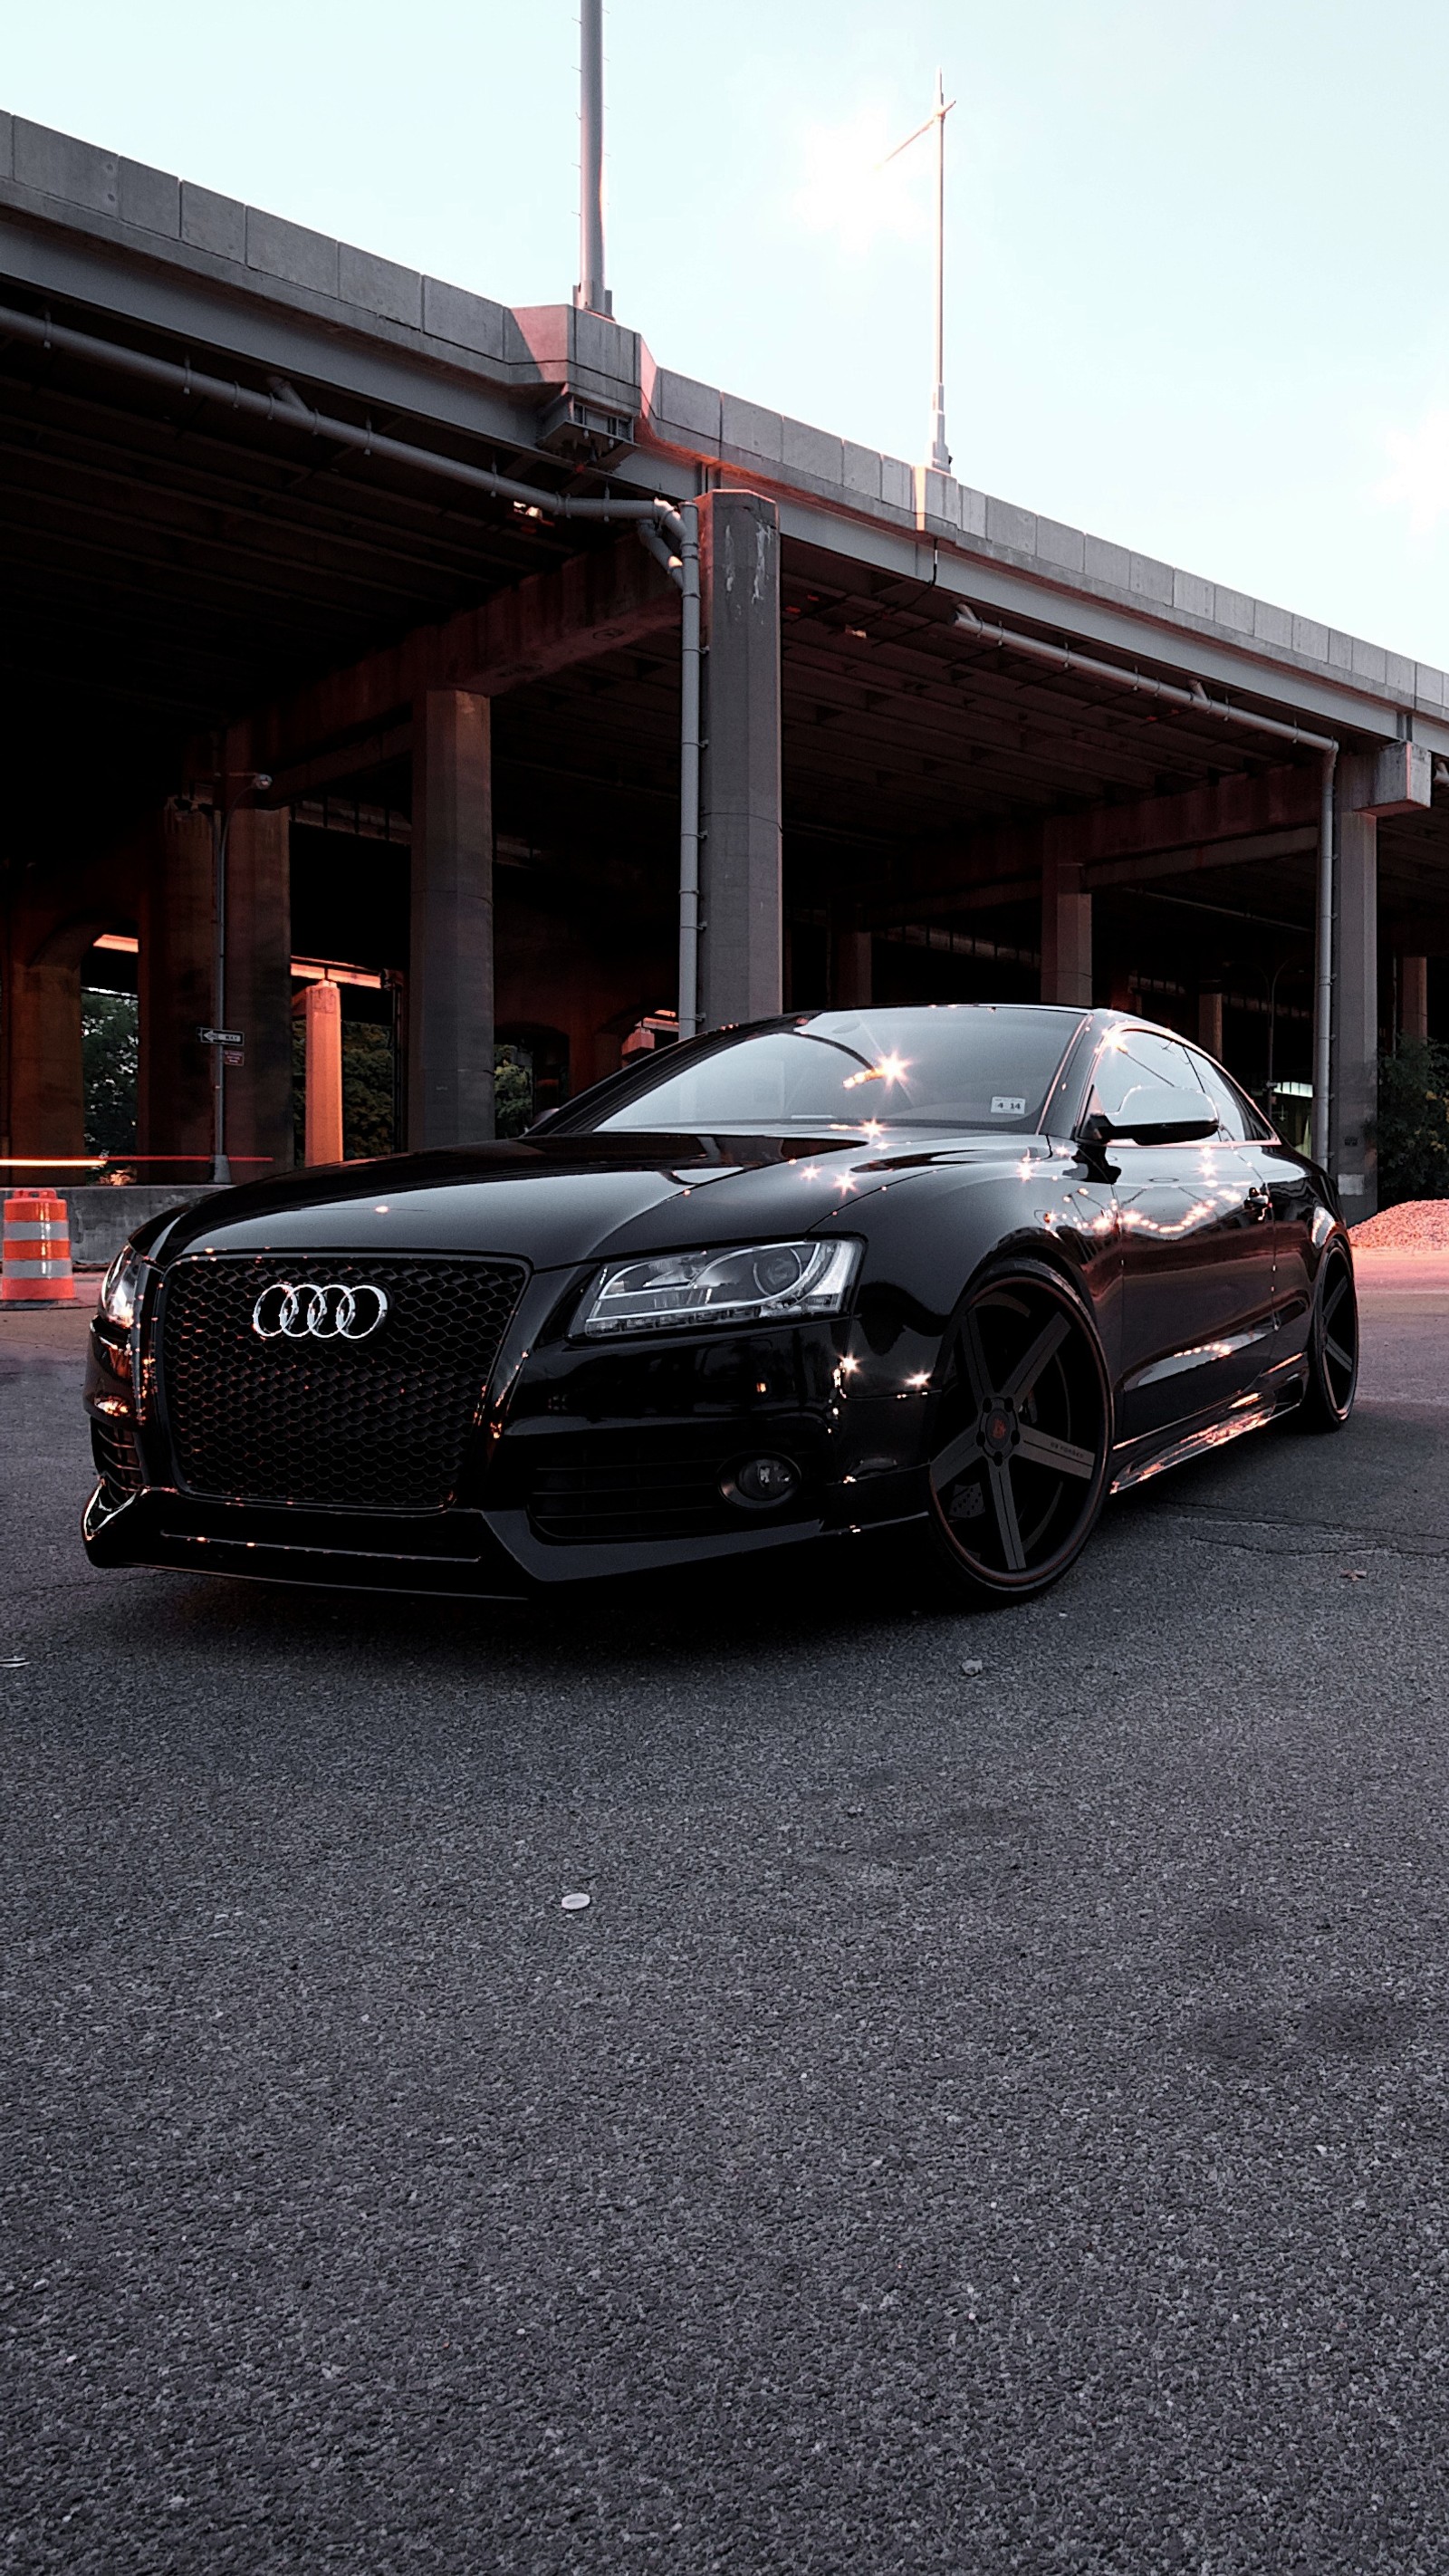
689	773
1323	979
591	293
940	453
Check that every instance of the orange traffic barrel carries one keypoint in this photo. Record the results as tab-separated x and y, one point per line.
36	1267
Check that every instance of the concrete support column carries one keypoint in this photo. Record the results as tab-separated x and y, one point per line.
44	1088
1210	1019
322	1007
1066	923
1356	993
851	965
259	989
741	940
1413	997
450	982
173	1104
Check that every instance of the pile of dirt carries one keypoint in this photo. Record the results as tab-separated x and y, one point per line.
1417	1225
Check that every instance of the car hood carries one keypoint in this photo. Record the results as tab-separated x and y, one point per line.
554	1200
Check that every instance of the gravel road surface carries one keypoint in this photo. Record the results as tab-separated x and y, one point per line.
981	2120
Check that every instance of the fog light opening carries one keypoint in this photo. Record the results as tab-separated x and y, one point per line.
761	1484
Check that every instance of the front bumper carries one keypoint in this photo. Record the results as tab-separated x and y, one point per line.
595	1463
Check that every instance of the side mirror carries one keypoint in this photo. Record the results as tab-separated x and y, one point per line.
1158	1116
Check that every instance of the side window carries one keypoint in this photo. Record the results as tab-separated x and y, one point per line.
1234	1117
1134	1061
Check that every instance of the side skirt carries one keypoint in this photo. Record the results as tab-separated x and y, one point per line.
1250	1413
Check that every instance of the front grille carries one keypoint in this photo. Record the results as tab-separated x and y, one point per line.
623	1494
113	1447
374	1425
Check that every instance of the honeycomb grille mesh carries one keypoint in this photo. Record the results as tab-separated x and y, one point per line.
374	1425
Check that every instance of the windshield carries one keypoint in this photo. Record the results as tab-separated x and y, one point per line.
850	1072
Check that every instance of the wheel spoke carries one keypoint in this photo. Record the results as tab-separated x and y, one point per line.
958	1453
1004	1504
1337	1352
1335	1297
1048	1341
1043	1450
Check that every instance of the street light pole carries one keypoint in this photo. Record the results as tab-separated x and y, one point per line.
940	454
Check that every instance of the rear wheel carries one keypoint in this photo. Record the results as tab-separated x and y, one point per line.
1332	1345
1023	1435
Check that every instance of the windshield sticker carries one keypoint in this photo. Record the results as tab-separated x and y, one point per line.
1001	1107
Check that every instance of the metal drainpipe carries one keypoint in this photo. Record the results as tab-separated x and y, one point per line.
289	409
1197	701
1323	981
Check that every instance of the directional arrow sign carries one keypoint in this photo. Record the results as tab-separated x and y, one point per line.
222	1037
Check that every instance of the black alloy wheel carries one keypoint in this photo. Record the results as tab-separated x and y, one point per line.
1332	1345
1023	1438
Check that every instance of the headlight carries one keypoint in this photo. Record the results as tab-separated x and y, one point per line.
764	1283
121	1288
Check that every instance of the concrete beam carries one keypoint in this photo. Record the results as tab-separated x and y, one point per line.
1269	816
1255	848
450	982
595	603
1400	780
741	913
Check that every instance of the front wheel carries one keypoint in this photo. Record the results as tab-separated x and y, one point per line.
1023	1436
1332	1345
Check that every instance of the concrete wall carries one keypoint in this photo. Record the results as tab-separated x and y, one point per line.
101	1219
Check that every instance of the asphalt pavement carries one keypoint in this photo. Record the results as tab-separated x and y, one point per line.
980	2121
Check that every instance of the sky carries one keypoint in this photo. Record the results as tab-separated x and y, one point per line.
1196	291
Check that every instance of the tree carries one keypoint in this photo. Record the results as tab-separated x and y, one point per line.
1411	1130
110	1055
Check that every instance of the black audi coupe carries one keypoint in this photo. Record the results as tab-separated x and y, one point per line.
961	1271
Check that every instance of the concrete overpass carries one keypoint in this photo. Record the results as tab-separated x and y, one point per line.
953	749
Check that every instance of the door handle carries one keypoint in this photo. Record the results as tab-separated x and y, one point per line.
1260	1199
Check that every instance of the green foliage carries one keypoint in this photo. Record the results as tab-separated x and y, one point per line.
367	1119
1412	1127
367	1088
367	1092
109	1055
512	1091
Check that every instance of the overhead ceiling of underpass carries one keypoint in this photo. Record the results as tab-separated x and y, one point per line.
177	560
170	564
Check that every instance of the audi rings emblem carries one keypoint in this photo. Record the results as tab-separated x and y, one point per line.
329	1313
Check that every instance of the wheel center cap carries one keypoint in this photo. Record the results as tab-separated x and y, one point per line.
997	1429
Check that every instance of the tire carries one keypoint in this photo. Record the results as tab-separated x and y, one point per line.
1022	1436
1332	1345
